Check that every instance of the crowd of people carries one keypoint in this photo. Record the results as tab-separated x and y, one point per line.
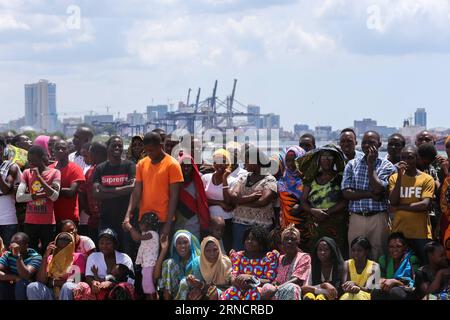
84	220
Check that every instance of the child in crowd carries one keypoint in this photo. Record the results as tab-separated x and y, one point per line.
148	250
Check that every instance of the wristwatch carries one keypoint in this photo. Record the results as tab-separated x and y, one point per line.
19	256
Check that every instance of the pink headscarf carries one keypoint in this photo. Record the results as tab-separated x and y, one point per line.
42	141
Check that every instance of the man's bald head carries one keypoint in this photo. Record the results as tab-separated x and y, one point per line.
424	136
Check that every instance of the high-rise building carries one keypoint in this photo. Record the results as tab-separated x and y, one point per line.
40	106
254	118
420	117
270	121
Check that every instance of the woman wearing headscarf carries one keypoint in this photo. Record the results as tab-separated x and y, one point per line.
192	212
183	262
215	274
294	268
136	150
42	141
326	276
322	200
55	279
290	189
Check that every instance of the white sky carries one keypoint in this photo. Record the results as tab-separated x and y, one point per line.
315	61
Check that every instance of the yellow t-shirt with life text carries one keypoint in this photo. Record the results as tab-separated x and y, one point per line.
413	225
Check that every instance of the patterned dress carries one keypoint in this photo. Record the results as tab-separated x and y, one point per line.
325	196
263	268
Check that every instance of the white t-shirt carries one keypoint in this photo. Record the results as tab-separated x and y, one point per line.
85	245
214	192
97	259
8	202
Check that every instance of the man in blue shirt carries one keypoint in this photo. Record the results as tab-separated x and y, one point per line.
18	267
364	184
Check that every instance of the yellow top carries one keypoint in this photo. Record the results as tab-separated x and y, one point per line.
360	279
414	225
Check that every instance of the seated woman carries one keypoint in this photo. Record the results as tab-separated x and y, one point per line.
60	267
327	268
99	265
433	280
293	269
214	275
192	212
83	244
360	275
183	262
397	271
251	268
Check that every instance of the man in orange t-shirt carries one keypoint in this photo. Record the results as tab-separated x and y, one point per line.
158	181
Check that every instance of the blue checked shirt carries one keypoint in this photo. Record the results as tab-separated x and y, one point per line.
356	177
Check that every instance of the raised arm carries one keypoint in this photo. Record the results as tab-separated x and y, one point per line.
157	271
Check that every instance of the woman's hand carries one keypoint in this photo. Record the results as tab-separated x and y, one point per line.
355	289
348	285
388	284
332	292
242	281
226	174
50	248
194	282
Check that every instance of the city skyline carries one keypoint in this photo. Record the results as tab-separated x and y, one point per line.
363	58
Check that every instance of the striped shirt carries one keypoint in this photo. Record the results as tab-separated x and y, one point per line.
10	262
356	177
